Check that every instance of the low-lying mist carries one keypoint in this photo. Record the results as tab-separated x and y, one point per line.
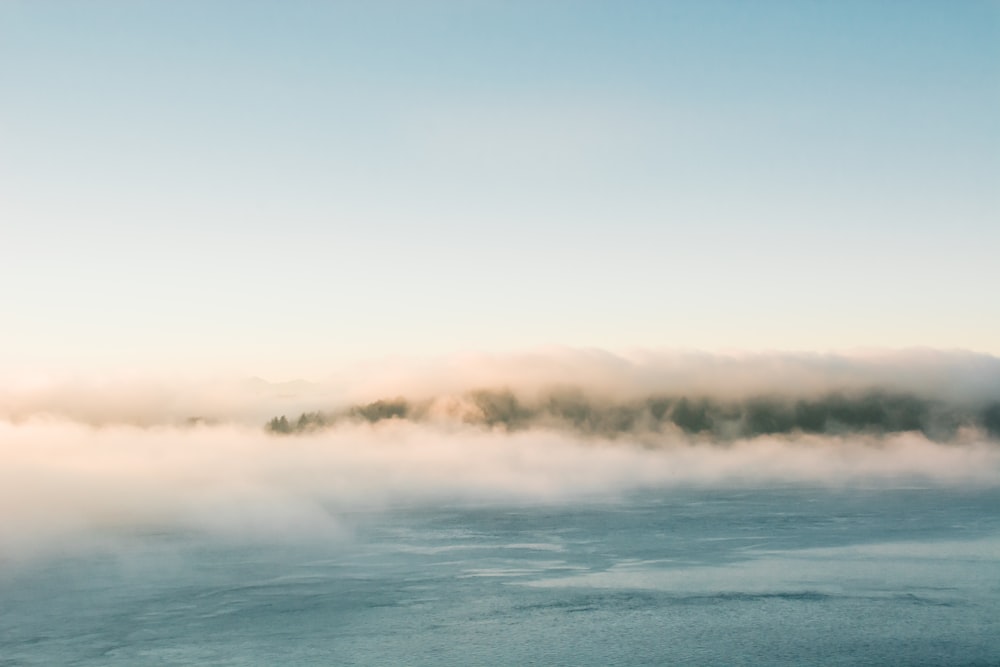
584	390
65	482
81	461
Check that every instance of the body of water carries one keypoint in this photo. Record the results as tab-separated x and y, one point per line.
788	575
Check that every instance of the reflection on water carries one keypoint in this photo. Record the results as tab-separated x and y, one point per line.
784	576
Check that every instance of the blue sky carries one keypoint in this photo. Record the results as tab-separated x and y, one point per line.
273	187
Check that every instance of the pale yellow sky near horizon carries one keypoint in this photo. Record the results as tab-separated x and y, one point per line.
283	190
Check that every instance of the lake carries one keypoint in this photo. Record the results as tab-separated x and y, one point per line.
696	575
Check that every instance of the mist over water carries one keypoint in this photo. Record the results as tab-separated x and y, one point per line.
526	506
59	480
564	424
966	382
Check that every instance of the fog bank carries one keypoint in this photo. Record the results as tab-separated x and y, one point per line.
963	382
85	457
62	484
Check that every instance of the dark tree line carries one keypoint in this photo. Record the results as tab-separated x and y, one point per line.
875	411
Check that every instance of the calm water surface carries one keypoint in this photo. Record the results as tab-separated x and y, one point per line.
777	576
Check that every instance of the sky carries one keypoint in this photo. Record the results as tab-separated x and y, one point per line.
276	188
